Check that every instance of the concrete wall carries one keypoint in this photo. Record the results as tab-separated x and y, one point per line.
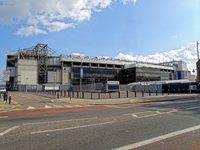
65	75
27	72
54	76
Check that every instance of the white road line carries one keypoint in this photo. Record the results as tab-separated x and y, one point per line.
150	115
144	112
56	106
8	130
71	128
30	107
68	106
159	138
47	106
146	116
134	115
38	123
190	108
158	112
1	117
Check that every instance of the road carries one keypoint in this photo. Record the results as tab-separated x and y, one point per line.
152	126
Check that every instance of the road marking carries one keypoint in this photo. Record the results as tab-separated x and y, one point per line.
68	106
81	119
71	128
47	106
144	112
146	116
136	115
159	138
190	108
77	106
30	107
56	106
1	117
158	112
8	130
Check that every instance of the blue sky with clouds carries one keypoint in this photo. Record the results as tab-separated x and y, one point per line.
99	27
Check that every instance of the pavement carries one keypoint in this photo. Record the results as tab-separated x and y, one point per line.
29	101
130	100
146	126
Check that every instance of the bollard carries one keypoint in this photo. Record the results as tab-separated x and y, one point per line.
168	91
142	93
6	97
156	93
127	94
109	95
99	96
135	94
118	94
68	94
64	93
77	94
70	97
149	93
9	99
82	95
58	95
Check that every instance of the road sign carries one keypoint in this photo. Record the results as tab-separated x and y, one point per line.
6	75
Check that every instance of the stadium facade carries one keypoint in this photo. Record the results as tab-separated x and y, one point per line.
40	65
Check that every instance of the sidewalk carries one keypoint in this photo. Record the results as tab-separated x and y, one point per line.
20	103
129	100
9	107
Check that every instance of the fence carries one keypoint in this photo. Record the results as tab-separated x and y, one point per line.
100	95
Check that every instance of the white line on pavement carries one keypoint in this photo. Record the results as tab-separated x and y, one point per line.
1	117
38	123
47	106
146	116
8	130
30	107
190	108
71	128
134	115
144	112
159	138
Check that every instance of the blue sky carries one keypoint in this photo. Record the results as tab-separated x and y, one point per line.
105	27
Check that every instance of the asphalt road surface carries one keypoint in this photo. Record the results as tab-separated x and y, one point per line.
151	126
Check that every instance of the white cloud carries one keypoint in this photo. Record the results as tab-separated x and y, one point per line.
187	54
128	1
58	26
78	54
49	15
31	30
